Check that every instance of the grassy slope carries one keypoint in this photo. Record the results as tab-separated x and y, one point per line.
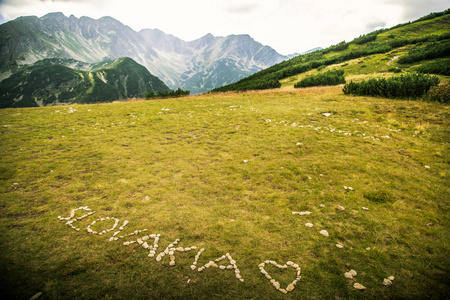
180	173
358	69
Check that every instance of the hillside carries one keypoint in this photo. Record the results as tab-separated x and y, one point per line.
198	65
376	54
95	195
66	81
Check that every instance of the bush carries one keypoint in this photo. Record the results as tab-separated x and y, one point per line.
441	67
362	39
405	86
168	94
395	70
440	93
434	50
333	77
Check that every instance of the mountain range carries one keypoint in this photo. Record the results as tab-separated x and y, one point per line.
198	66
63	81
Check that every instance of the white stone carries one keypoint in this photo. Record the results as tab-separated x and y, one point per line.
290	287
348	275
353	272
321	206
326	114
340	246
368	249
391	278
365	208
339	207
309	225
324	233
387	282
276	284
359	286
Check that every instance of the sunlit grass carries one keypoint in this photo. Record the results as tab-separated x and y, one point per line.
224	172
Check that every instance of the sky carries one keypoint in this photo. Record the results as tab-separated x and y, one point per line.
288	26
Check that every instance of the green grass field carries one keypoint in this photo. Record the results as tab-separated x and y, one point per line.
224	172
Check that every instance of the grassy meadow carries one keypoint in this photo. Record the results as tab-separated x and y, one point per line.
224	172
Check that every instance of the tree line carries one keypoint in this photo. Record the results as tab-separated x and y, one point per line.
167	94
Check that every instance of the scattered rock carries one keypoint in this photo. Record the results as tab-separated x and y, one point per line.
353	272
301	213
299	144
348	275
309	225
368	249
36	296
326	114
324	233
339	207
321	206
387	282
365	208
359	286
339	245
245	161
391	278
427	167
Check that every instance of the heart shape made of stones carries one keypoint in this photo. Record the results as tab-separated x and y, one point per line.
290	287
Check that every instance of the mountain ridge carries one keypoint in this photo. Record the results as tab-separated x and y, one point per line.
61	81
199	65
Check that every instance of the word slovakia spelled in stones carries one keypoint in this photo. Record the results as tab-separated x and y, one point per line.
290	287
171	249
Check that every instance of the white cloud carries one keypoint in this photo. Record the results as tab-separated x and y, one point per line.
286	25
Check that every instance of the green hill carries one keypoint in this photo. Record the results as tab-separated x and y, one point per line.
419	46
66	81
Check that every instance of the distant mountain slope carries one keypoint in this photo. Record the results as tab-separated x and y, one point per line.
198	65
378	52
65	81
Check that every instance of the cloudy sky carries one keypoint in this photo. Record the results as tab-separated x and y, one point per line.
288	26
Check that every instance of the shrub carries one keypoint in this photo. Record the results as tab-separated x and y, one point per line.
434	50
333	77
440	93
405	86
395	70
362	39
441	67
168	94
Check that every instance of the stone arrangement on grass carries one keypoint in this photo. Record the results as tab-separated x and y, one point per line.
290	287
171	249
